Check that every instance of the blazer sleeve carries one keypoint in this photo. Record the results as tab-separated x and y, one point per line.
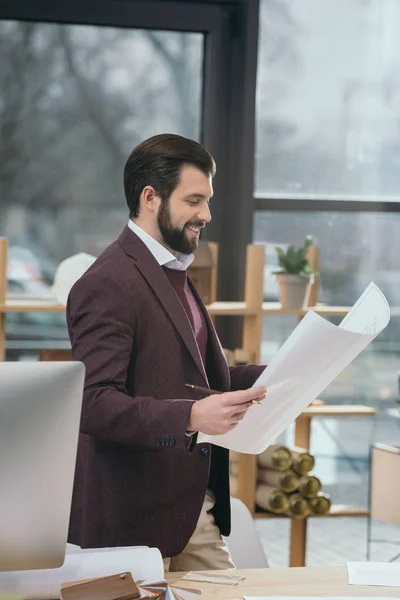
244	376
101	324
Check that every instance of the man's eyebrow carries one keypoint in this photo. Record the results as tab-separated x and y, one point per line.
200	196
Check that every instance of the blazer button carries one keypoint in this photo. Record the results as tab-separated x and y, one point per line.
204	451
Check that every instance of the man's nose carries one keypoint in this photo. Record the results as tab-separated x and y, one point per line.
204	214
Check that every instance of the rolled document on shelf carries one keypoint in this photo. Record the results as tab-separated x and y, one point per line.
276	457
302	461
142	562
287	481
298	508
309	486
272	499
320	505
315	353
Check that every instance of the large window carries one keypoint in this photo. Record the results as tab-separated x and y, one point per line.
81	84
74	101
327	164
328	100
328	136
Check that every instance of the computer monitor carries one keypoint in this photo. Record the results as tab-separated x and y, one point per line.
40	409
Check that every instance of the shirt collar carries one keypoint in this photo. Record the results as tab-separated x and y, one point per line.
165	258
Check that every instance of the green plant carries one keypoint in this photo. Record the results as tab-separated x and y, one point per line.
293	261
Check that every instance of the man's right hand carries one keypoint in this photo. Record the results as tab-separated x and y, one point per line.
219	413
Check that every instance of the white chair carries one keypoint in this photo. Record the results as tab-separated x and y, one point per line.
243	542
68	272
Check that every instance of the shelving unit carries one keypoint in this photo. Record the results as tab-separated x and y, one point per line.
252	309
252	334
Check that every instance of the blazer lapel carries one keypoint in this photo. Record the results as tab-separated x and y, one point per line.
163	290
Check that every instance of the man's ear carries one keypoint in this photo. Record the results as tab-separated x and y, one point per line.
149	199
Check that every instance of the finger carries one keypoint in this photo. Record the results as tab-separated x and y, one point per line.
248	395
241	408
259	400
249	403
232	426
238	416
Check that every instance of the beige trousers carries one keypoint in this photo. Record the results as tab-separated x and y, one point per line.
206	550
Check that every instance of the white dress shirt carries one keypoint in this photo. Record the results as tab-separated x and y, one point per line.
165	258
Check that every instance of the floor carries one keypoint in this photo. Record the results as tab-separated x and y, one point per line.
331	541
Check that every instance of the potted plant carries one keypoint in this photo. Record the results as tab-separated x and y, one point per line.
295	277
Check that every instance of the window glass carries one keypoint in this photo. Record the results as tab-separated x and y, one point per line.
74	101
328	99
355	248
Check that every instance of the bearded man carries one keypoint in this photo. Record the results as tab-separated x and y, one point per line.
141	329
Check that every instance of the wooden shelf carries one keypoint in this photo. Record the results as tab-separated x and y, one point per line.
215	309
275	308
231	308
337	510
29	305
338	410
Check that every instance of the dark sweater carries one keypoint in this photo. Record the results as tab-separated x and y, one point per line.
178	279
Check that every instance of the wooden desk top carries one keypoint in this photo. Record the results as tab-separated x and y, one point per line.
306	581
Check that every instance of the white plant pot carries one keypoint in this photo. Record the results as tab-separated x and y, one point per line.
294	290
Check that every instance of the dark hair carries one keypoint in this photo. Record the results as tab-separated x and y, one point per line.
157	162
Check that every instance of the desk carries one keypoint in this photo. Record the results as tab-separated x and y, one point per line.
305	581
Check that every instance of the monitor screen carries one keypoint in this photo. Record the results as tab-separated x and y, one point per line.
40	408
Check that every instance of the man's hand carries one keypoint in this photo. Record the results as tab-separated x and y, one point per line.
219	413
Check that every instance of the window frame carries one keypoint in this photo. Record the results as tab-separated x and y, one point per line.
321	203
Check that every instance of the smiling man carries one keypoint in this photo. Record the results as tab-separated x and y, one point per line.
142	331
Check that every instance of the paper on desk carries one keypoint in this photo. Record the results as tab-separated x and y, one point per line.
373	573
73	549
310	359
311	598
143	563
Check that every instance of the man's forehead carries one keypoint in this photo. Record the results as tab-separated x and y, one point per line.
194	182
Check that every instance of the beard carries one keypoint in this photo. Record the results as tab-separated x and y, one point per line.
175	237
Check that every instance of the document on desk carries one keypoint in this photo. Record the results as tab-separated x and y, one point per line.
142	562
316	352
373	573
312	598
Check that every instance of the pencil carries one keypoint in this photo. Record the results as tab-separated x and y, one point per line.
209	391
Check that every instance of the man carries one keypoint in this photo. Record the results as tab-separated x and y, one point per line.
141	329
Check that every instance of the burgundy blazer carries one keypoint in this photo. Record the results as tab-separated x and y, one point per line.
139	479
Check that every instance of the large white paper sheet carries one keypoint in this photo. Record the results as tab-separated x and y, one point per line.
373	573
312	598
311	358
142	562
